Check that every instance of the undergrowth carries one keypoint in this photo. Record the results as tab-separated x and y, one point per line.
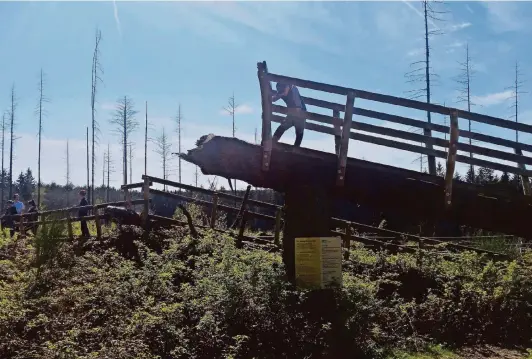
167	295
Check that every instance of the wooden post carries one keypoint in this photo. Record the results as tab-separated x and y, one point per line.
344	145
146	195
213	210
524	179
307	214
242	207
337	131
241	230
69	226
265	90
127	198
347	240
451	158
21	226
277	229
43	220
97	221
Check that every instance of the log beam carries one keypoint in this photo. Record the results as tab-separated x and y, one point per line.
379	186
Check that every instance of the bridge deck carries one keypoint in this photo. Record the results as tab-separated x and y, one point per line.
409	192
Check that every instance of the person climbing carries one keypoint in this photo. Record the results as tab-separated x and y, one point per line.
83	212
18	204
290	95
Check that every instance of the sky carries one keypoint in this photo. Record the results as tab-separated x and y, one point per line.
197	55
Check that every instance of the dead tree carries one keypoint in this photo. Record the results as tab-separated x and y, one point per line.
421	71
40	112
3	129
517	91
146	143
110	169
67	175
130	163
464	80
88	170
163	148
178	119
125	124
96	73
12	138
231	109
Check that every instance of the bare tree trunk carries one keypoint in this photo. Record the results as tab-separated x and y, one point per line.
12	130
88	171
146	143
125	140
108	169
130	163
67	174
3	170
96	70
41	101
163	148
231	110
179	118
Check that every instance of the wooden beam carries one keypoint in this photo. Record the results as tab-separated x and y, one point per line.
265	91
212	221
344	142
133	185
337	131
209	192
451	159
415	194
417	123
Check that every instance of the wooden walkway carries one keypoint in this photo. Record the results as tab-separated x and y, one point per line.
420	196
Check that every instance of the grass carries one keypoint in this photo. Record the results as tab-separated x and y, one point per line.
431	352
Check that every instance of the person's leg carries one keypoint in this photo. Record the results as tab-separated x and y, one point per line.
299	125
285	125
84	229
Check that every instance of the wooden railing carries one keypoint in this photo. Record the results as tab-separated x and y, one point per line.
346	128
20	220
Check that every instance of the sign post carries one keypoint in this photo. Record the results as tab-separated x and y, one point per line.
318	262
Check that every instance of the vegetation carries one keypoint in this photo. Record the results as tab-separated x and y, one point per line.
167	295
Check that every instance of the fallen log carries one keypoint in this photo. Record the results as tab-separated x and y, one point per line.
418	195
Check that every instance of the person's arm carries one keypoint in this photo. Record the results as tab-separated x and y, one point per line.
277	95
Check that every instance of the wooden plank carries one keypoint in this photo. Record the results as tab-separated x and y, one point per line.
451	159
98	223
419	149
209	192
133	185
265	91
399	101
208	204
524	179
213	210
405	135
347	240
337	131
417	123
239	216
344	142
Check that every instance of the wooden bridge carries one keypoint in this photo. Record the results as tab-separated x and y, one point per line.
310	179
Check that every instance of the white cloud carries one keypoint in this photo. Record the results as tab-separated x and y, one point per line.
117	19
243	109
491	99
460	26
415	52
506	16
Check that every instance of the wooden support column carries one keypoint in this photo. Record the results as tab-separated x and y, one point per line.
213	210
69	226
337	131
266	91
97	221
241	229
524	179
344	144
308	213
347	239
146	195
240	215
451	158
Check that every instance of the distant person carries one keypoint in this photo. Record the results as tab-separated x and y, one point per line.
18	204
8	221
83	212
290	95
32	208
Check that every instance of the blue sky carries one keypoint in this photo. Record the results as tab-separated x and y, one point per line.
197	54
